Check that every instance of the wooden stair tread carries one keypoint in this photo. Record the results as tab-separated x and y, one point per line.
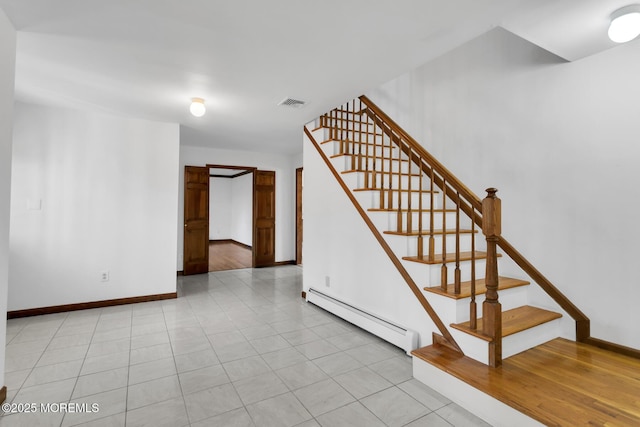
451	257
382	173
395	190
513	321
465	287
404	210
560	382
371	158
425	233
350	141
342	110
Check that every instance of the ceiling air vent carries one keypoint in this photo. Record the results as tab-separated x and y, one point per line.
293	103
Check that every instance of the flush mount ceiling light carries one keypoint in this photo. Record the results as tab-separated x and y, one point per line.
625	24
197	107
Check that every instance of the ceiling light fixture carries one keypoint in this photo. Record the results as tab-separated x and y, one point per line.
625	24
197	107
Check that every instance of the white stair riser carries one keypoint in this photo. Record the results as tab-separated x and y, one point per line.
361	123
350	162
402	200
389	220
457	310
517	343
321	134
478	349
348	147
430	274
408	245
382	181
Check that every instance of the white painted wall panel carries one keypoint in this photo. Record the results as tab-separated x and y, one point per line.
91	192
340	250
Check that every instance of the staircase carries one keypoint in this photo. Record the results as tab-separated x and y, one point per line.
445	242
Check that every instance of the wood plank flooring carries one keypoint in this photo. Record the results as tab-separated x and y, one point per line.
228	255
559	383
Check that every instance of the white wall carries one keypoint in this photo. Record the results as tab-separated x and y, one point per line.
7	70
91	192
339	247
220	208
242	209
560	142
285	196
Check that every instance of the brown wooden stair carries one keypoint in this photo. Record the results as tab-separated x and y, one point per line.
481	288
513	321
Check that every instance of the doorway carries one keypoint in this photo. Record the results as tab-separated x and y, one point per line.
197	225
230	218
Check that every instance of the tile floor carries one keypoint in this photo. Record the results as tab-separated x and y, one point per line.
237	348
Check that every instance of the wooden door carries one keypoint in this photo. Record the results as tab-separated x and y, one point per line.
264	218
299	216
196	220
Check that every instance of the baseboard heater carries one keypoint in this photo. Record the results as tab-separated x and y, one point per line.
397	335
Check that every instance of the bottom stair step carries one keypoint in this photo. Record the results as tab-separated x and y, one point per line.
513	321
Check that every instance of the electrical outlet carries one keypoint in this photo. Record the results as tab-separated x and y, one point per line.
104	276
327	281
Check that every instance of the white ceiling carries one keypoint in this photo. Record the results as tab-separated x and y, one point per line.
147	58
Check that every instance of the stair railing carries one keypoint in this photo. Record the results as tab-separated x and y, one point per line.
381	156
471	205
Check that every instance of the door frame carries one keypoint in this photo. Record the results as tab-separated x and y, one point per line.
242	170
299	228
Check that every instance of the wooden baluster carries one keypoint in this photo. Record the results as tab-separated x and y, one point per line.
420	242
473	309
399	217
443	272
382	181
432	241
374	182
409	210
360	139
491	308
456	285
343	141
332	132
351	124
398	175
366	166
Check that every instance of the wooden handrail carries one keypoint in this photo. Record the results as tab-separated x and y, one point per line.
582	321
445	179
385	246
427	157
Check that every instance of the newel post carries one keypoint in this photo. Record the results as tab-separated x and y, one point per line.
491	308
